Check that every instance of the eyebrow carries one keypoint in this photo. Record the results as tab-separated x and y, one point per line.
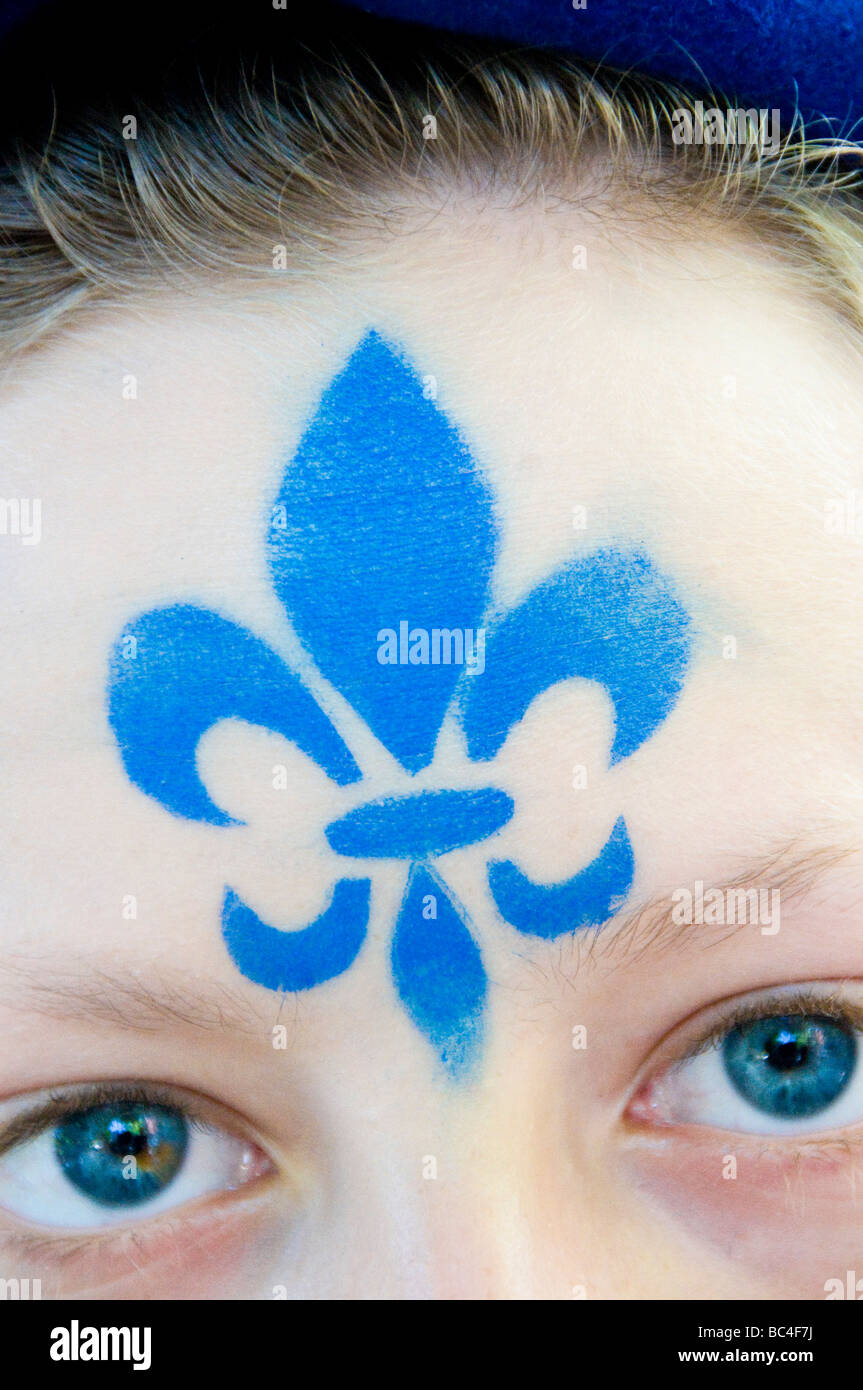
794	869
142	1003
133	1001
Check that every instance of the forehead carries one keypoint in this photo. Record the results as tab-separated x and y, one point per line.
609	392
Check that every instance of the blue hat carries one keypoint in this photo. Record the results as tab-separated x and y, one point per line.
766	53
780	54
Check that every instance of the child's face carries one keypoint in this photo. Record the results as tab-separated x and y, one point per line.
670	445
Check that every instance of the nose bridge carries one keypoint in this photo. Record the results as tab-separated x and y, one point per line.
478	1237
475	1204
451	1188
444	1205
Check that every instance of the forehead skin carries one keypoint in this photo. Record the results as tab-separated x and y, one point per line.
694	407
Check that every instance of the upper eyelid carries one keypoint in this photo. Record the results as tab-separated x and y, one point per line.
811	996
807	1001
33	1119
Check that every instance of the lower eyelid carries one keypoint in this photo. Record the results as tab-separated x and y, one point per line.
201	1251
641	1113
786	1210
827	1146
35	1190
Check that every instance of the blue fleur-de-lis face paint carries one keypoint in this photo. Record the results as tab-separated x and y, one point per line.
382	544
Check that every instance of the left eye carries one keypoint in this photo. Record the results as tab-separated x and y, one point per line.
107	1164
781	1074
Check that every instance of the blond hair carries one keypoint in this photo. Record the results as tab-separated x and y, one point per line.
257	156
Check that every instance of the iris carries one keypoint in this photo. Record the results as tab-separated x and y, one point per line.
122	1154
792	1065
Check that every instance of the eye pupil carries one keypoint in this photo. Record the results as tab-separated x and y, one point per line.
93	1148
794	1066
786	1051
127	1140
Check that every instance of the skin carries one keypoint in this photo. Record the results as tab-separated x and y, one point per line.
695	403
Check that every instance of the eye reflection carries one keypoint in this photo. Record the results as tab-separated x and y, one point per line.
122	1154
109	1155
790	1065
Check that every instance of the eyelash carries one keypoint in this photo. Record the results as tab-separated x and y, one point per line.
62	1103
807	1000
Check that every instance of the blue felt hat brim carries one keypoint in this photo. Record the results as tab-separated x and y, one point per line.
785	54
767	53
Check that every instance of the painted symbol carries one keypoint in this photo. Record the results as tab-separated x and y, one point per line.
383	513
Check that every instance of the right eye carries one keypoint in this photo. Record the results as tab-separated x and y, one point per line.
780	1072
105	1164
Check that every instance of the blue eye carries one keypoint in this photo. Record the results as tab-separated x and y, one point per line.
123	1154
113	1160
790	1065
778	1072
